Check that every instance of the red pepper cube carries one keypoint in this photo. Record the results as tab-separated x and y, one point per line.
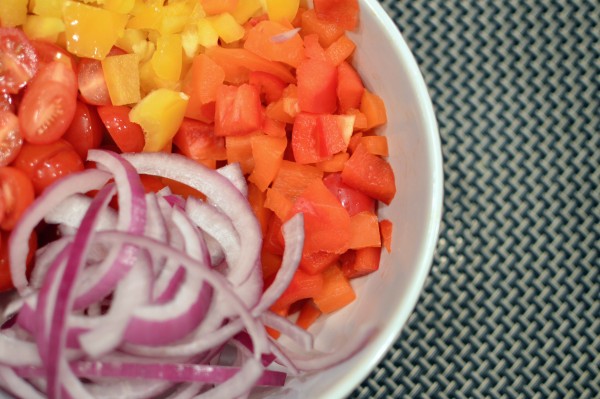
317	86
238	110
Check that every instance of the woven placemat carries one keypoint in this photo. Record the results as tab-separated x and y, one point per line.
512	305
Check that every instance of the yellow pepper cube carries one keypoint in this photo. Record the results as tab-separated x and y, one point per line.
159	114
48	8
46	28
120	6
90	31
146	16
175	17
131	38
13	13
227	27
166	60
121	73
190	41
207	34
280	10
245	9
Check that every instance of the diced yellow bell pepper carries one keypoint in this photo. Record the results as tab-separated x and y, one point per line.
131	38
13	13
190	41
90	31
46	28
279	10
159	114
144	49
150	82
207	35
120	6
48	8
227	27
121	73
146	16
166	60
245	9
175	17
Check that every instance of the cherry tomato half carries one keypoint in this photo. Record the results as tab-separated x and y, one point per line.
127	135
5	278
92	84
17	193
18	60
86	129
10	137
353	200
7	102
48	105
48	52
46	163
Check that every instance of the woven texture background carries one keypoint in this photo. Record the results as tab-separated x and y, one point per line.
512	306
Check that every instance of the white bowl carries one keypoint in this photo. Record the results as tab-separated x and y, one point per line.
386	298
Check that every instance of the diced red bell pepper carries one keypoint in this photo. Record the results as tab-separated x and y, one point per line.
238	110
197	141
350	88
302	286
317	262
360	262
270	86
326	222
370	174
317	85
316	138
353	200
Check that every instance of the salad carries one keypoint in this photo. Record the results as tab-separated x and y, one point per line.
186	186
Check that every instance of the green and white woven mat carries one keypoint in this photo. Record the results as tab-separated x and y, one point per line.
512	305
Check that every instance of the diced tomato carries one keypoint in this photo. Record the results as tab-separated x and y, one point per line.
127	135
86	129
343	13
238	110
92	84
353	200
5	277
10	137
197	140
317	84
16	192
48	105
46	163
7	102
18	60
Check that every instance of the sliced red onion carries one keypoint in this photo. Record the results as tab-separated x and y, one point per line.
285	36
288	329
70	213
217	189
76	183
15	384
233	173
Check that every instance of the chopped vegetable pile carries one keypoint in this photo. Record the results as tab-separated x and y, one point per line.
181	182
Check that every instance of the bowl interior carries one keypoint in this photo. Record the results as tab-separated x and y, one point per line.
387	297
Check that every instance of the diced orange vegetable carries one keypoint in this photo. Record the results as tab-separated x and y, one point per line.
276	111
267	152
360	120
343	13
256	198
336	292
376	145
273	128
317	262
207	77
238	110
273	241
374	109
328	32
292	178
350	89
360	262
283	312
122	78
340	50
90	31
326	221
259	41
370	174
308	315
313	49
277	202
335	164
385	228
354	141
236	60
365	230
302	286
239	149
